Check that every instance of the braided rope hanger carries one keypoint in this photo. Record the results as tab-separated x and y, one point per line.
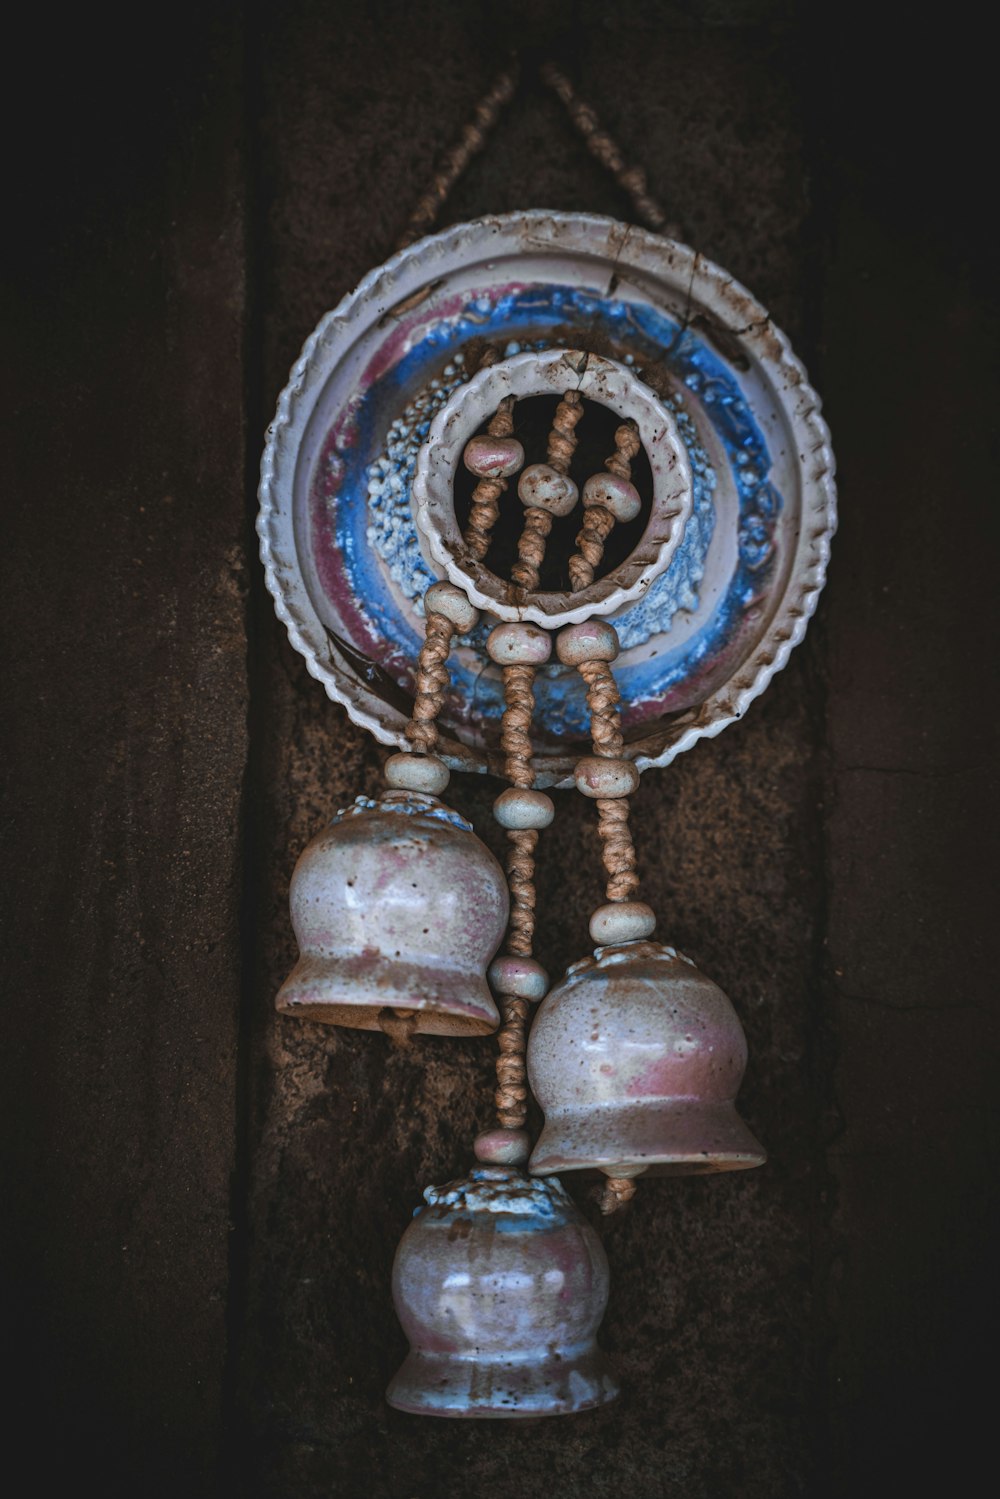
474	135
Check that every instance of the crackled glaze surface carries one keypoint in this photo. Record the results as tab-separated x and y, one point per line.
636	1058
500	1285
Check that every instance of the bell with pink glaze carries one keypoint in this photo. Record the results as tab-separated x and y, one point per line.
398	908
500	1285
636	1058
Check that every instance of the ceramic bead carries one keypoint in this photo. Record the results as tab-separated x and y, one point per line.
622	921
397	906
417	773
541	487
446	599
593	640
523	978
503	1147
517	808
518	644
605	778
616	495
500	1285
493	457
654	1087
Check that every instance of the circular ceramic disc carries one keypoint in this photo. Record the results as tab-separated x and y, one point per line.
340	548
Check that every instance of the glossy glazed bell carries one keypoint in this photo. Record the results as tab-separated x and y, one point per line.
636	1058
398	908
500	1285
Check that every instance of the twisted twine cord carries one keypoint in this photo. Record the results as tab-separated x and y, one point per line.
515	727
538	522
599	142
603	698
562	437
614	1193
617	847
627	445
489	356
471	141
598	522
431	683
515	739
602	146
485	509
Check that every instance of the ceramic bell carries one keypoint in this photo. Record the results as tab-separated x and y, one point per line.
500	1285
636	1058
398	908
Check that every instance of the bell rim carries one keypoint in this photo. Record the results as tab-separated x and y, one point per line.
454	1377
438	1002
733	1145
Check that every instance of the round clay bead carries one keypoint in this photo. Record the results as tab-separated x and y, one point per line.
622	921
523	978
519	808
503	1147
593	640
616	495
446	599
542	487
493	457
604	779
417	773
518	644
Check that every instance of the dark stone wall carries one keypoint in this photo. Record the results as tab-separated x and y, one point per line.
203	1202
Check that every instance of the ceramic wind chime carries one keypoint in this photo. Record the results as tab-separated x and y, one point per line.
483	596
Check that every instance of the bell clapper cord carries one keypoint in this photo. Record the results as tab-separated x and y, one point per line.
609	779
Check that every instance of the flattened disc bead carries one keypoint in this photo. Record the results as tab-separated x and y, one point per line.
503	1147
616	495
542	487
493	457
446	599
518	644
622	921
522	978
592	640
417	773
520	808
605	779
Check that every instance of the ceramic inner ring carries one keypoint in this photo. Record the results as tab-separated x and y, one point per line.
550	372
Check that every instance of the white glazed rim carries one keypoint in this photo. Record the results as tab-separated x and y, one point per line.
552	372
627	248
